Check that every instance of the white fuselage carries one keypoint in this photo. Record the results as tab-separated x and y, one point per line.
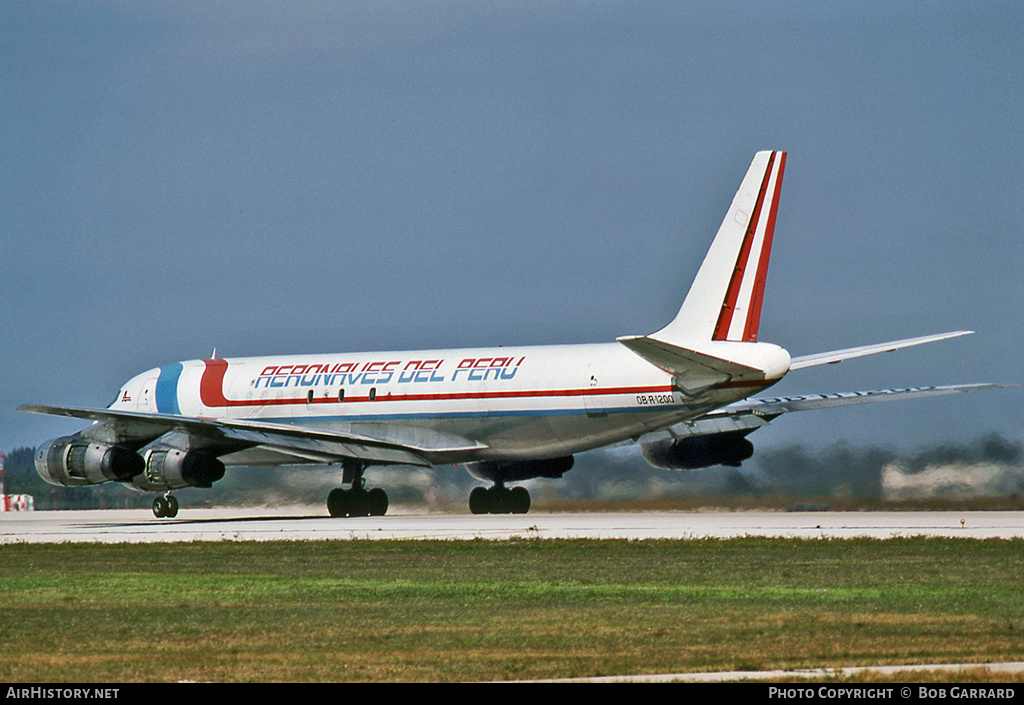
516	402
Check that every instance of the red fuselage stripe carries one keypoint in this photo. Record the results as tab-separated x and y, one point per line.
211	392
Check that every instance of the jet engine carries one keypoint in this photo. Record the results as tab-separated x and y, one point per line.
696	452
501	471
172	469
73	461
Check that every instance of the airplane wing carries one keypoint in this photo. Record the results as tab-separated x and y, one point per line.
749	415
373	443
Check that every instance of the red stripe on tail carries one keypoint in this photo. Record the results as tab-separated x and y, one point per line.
757	297
733	292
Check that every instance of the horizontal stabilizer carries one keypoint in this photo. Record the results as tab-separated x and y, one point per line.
831	358
692	371
713	363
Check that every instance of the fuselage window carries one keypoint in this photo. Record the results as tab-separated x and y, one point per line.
341	395
373	393
309	397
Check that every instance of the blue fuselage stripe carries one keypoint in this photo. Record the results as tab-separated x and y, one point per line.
167	389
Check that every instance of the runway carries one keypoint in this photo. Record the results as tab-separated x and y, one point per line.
311	524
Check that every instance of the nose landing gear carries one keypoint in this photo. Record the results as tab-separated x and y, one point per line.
165	506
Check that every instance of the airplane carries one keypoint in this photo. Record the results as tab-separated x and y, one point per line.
509	414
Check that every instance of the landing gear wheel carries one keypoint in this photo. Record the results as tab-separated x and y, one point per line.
357	502
165	506
519	500
377	502
337	503
499	500
479	501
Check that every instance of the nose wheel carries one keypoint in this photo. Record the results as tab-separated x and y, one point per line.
165	506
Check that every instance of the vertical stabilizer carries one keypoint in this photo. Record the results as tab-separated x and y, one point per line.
724	302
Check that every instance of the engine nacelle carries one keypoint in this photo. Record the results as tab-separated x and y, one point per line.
73	461
517	470
698	451
172	469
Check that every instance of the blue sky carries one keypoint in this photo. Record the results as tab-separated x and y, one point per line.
266	178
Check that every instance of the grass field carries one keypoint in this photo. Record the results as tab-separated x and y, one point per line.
481	610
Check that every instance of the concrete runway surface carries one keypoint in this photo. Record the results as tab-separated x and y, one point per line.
307	524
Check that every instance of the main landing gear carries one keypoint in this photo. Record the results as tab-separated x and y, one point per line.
165	506
499	500
357	501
